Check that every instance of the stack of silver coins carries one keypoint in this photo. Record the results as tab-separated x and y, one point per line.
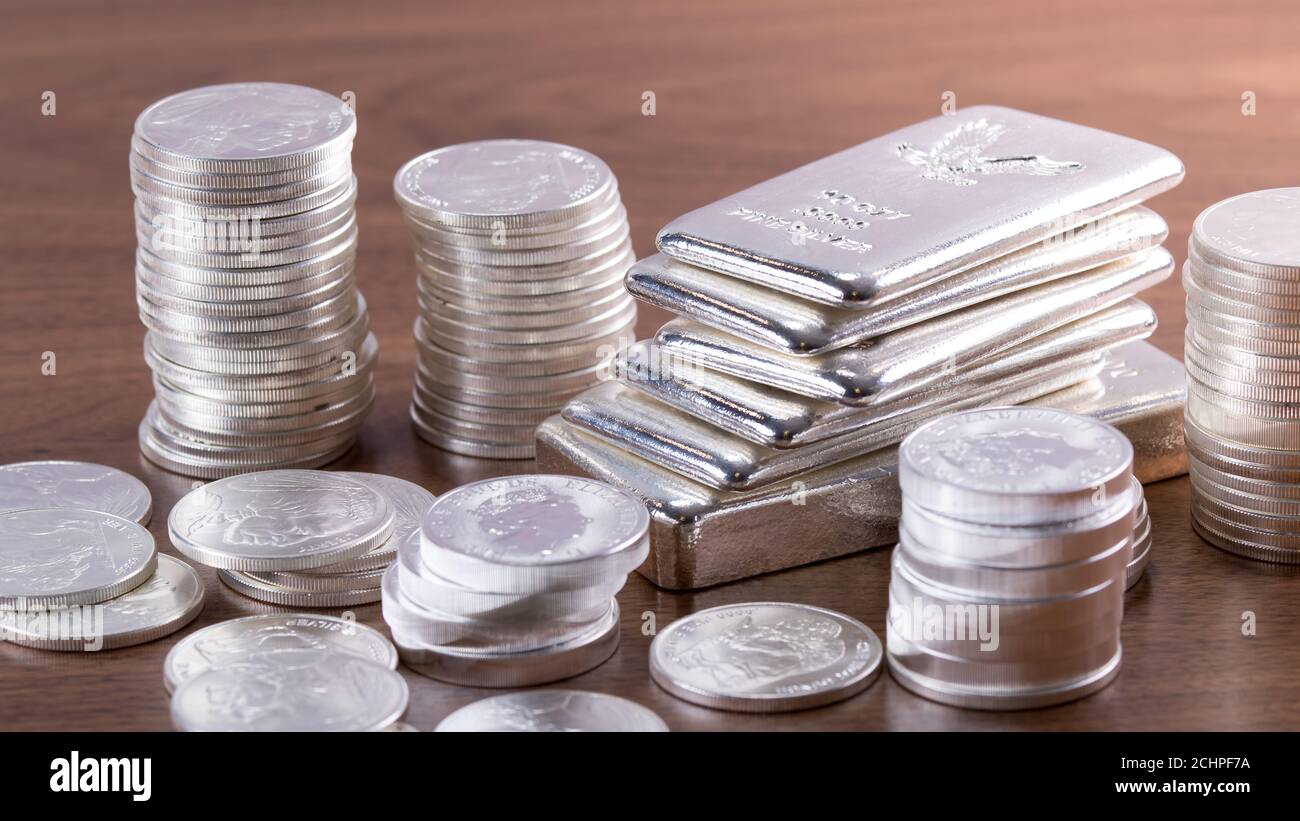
258	338
513	580
1007	585
521	248
78	569
300	538
1242	353
291	672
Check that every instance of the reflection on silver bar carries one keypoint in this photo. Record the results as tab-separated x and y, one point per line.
905	361
697	450
907	209
701	536
779	419
789	323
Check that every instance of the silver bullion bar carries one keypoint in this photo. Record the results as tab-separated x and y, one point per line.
698	450
779	419
906	361
702	537
796	325
907	209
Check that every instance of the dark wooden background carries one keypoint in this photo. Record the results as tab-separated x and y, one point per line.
744	91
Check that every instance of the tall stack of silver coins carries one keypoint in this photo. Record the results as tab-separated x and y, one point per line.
991	257
521	248
1007	590
302	538
258	339
512	582
1242	353
80	570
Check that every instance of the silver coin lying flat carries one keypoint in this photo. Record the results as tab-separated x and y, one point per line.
171	599
339	692
553	711
59	557
245	127
765	657
80	485
280	520
512	182
274	640
1015	466
502	530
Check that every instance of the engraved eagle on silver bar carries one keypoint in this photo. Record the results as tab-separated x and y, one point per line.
959	155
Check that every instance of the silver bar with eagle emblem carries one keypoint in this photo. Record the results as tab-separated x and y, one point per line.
915	206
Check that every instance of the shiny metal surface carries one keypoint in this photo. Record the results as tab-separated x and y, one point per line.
783	322
765	657
775	418
701	536
698	450
906	361
914	206
1015	465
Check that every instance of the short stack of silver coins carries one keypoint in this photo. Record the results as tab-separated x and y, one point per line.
80	570
1242	353
300	538
1007	585
512	581
258	338
521	247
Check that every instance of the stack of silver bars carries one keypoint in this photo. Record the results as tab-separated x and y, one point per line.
986	257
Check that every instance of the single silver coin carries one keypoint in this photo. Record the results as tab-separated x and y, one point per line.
168	601
1015	465
511	180
1253	233
237	126
337	692
80	485
536	520
553	711
280	520
274	640
532	532
57	557
765	657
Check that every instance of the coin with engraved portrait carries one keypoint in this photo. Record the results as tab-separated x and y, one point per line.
55	557
168	601
531	181
553	711
280	520
339	692
277	640
765	657
80	485
513	532
246	125
1015	465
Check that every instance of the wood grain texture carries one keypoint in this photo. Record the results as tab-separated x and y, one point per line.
744	91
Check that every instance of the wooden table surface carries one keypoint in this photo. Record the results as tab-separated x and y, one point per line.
743	91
